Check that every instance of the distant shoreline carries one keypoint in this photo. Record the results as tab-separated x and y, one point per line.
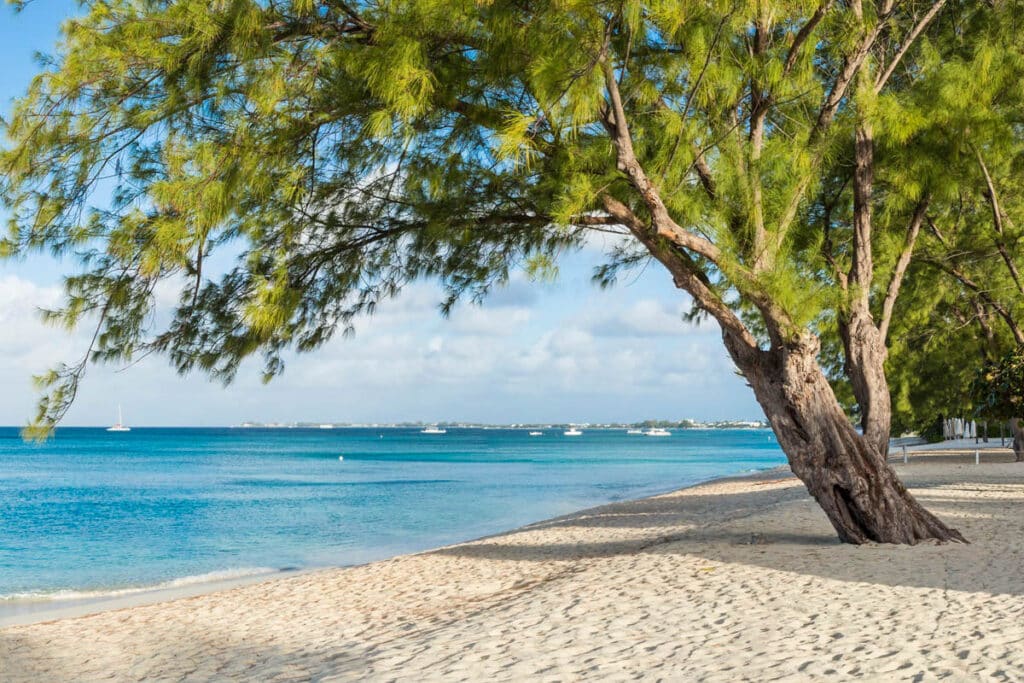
738	425
642	424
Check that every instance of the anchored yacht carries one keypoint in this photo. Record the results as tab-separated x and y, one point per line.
433	430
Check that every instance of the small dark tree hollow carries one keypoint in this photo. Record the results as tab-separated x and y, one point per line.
844	471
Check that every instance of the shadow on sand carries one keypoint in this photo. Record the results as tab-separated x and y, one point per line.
783	529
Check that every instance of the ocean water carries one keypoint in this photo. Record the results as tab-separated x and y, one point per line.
93	513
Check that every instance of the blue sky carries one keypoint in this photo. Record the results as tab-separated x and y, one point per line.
560	351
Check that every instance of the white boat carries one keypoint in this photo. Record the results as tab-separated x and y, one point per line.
657	431
120	426
536	433
433	430
634	431
326	426
572	431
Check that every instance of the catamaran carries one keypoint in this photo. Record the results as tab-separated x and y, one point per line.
572	431
120	426
657	431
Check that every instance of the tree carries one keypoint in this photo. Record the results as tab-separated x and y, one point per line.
999	390
775	158
962	307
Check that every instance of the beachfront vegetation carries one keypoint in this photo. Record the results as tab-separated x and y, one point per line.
999	393
779	159
962	305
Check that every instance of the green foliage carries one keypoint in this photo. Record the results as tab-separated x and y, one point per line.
947	322
999	387
335	152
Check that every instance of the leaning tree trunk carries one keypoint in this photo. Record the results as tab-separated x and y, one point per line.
1018	439
844	471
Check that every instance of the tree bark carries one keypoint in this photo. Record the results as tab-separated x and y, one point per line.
865	354
1018	439
843	470
863	341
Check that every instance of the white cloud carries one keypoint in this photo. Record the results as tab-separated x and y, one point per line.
645	318
489	320
27	346
25	341
534	351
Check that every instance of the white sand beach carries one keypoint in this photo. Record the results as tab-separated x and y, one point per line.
738	579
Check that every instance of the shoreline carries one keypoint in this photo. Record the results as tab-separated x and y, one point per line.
25	612
28	611
739	578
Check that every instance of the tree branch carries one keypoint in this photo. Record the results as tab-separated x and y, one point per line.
851	66
827	112
997	220
981	315
760	103
966	281
896	281
685	273
777	321
614	119
907	43
803	34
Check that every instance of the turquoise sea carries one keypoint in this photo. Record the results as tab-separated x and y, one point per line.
91	513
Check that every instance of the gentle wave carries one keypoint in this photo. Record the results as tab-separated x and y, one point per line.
209	577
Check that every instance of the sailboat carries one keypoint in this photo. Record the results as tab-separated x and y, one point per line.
119	427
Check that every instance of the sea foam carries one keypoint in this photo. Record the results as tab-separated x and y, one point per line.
181	582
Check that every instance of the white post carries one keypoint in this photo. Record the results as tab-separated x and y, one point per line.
904	455
977	457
